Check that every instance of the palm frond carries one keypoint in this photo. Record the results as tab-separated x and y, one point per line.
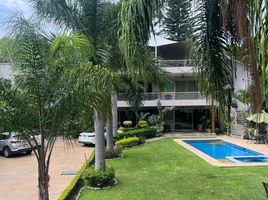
209	51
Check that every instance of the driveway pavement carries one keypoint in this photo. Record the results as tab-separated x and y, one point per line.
18	175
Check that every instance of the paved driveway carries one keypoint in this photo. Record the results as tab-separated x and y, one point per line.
18	175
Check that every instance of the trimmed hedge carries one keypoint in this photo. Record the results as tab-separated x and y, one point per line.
125	129
128	142
143	124
146	133
72	188
116	153
98	179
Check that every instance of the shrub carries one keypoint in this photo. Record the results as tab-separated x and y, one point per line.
143	124
128	142
127	123
99	178
125	129
121	128
116	153
154	120
142	140
146	133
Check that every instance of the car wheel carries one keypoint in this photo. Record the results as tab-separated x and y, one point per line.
29	152
7	152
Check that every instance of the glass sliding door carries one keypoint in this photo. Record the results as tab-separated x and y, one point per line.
184	120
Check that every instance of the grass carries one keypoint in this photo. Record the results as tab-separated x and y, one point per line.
165	170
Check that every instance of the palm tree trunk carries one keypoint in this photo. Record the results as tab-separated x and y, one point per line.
99	145
212	116
43	178
109	134
114	112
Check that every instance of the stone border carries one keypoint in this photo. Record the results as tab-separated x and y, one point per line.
213	161
95	188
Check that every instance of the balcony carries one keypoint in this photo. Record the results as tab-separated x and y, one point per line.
177	67
168	99
176	63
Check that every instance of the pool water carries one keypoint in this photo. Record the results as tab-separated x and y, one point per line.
248	159
219	150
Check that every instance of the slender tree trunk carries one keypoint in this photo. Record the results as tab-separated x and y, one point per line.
43	178
212	116
114	112
99	145
109	134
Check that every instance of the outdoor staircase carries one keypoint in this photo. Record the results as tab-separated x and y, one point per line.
238	128
241	118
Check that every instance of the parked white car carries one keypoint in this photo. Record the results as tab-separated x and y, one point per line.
38	140
88	137
11	143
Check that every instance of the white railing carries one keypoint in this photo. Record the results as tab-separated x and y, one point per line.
167	96
180	95
176	63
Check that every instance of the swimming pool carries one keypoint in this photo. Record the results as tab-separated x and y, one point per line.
222	150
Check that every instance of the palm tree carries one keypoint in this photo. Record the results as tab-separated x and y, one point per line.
53	80
209	52
94	19
259	25
34	98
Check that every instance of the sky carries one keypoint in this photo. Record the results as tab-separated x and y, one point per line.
8	7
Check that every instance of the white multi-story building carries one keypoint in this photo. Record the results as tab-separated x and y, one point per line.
182	92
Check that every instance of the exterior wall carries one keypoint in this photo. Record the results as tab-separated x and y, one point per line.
242	80
5	71
241	77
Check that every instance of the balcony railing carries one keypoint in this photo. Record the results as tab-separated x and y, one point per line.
167	96
176	63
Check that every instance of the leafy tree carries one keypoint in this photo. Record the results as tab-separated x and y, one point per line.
176	21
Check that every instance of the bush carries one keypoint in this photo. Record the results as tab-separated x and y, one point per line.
99	178
125	129
146	133
153	120
143	124
127	123
128	142
116	153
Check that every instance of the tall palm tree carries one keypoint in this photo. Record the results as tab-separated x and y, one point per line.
259	24
53	81
209	51
94	18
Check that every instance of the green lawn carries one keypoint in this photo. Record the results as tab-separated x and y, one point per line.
165	170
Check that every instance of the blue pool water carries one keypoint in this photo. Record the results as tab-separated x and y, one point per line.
248	159
219	149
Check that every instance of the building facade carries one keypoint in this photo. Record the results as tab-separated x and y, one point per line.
182	93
